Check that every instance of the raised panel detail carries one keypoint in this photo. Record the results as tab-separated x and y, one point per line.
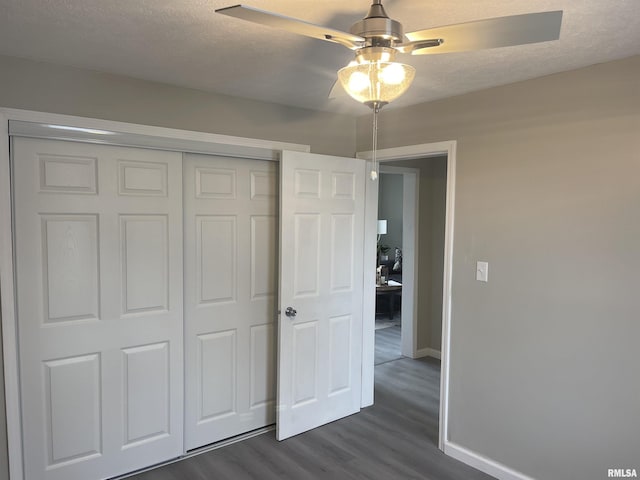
73	408
71	267
217	375
68	174
263	261
305	363
307	183
340	353
263	185
146	393
216	258
145	263
142	178
343	185
306	254
263	371
342	255
215	183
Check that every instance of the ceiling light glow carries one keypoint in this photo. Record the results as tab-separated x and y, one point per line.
358	81
393	74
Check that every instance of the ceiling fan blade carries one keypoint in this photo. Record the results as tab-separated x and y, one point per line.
488	33
292	25
418	45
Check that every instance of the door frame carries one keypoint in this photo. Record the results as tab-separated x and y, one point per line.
43	125
412	152
410	228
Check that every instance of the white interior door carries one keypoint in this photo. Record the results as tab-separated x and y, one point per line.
321	277
230	284
98	233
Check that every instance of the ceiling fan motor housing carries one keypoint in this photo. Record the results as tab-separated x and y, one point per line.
378	28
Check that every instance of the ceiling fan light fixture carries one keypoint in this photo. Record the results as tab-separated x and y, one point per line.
376	83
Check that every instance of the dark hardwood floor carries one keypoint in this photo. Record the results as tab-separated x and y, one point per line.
396	439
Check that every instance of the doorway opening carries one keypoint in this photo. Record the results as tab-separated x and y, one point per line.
412	201
431	341
394	326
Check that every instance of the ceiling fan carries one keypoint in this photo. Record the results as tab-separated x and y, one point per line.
374	77
377	39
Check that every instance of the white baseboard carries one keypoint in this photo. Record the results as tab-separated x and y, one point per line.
482	463
427	352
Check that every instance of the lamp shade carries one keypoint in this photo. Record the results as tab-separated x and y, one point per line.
376	82
382	227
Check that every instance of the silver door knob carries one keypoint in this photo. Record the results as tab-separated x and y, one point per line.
290	312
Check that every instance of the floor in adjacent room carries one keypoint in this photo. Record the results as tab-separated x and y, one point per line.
397	438
387	339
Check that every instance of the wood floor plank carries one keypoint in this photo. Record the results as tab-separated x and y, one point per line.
397	438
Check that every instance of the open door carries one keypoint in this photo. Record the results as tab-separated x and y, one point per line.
321	290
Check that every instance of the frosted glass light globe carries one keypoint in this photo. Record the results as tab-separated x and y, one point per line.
376	83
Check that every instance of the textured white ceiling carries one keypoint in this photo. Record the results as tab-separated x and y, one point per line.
183	42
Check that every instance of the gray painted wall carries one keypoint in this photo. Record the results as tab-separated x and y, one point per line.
544	368
56	89
390	209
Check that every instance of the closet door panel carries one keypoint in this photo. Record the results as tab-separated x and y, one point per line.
98	233
230	284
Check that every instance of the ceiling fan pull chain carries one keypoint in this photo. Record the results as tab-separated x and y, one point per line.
374	158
